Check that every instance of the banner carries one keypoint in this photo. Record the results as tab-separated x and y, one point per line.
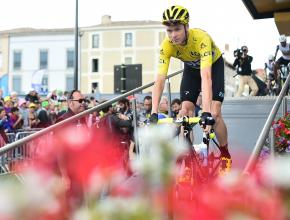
4	85
36	79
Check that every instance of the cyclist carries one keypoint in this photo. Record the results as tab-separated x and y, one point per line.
284	47
203	71
269	70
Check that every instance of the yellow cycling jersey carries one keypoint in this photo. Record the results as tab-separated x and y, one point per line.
199	52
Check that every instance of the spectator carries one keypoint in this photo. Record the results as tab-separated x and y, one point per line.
15	119
123	109
8	104
163	105
243	65
24	112
32	96
175	107
32	117
14	98
145	113
3	120
43	115
76	104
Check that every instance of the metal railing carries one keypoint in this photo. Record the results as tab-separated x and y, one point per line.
265	131
24	140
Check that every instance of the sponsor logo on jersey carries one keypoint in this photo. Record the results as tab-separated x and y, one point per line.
207	53
161	61
194	54
161	52
178	53
203	45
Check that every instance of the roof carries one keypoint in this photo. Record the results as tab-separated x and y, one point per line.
266	8
127	23
24	31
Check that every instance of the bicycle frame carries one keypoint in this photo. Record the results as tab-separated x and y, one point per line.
195	172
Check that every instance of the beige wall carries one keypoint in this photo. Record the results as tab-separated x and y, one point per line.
85	85
85	40
84	63
107	84
109	59
111	39
147	59
145	38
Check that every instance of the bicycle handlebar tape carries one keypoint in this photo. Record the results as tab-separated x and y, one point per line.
206	119
165	121
153	118
193	120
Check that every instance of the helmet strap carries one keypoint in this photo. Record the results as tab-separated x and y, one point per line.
186	33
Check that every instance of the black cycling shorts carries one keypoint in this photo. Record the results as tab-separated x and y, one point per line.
191	82
283	61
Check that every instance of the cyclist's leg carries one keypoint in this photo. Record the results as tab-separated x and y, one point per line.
189	90
220	126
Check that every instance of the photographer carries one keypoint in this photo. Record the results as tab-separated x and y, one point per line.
242	64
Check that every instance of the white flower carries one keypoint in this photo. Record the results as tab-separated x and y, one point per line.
278	172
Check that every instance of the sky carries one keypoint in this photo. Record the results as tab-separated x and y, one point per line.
227	21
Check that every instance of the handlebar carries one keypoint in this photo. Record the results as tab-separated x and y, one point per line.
187	121
179	121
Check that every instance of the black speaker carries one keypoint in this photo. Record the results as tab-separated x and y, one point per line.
133	77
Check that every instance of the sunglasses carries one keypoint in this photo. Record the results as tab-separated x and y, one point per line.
79	100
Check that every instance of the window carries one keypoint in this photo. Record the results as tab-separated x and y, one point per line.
16	84
69	83
70	58
17	60
161	37
44	84
43	59
95	41
95	65
95	86
128	60
128	39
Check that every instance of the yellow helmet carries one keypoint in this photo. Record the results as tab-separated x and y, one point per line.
175	14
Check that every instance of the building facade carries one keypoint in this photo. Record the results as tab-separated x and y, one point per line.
114	43
38	56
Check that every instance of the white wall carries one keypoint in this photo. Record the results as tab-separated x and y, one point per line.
56	45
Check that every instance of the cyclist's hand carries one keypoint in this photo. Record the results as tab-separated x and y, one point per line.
206	121
153	118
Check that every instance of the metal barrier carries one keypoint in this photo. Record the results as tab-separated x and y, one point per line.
265	131
26	151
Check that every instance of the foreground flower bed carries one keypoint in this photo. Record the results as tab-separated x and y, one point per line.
83	178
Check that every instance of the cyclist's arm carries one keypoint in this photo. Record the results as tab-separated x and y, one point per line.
157	91
164	60
277	49
205	73
206	88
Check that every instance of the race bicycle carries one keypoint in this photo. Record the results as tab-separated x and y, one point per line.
200	164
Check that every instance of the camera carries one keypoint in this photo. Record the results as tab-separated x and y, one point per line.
238	53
